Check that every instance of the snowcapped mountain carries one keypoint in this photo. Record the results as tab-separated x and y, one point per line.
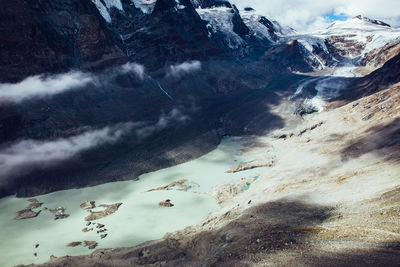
346	41
228	28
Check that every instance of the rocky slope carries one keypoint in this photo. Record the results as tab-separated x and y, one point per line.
330	198
381	78
377	57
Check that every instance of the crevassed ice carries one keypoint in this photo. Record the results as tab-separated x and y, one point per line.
220	21
104	6
103	10
113	3
252	21
147	6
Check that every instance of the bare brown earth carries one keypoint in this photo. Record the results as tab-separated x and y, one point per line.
331	198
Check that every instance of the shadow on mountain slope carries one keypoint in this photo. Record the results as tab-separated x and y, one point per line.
380	79
263	229
381	140
279	233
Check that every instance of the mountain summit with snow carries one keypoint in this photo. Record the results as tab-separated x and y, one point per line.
347	41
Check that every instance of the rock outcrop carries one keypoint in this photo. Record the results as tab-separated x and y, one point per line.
180	185
88	205
74	244
108	210
90	244
166	203
26	214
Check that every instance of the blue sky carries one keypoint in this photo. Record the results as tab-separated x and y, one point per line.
332	16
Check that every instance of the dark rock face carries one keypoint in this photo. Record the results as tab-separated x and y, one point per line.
271	29
238	25
166	36
52	36
291	55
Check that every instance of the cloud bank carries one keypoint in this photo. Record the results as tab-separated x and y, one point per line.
21	157
308	15
43	86
184	68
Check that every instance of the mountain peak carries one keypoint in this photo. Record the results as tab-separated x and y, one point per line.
377	22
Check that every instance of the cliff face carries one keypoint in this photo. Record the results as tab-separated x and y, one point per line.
52	36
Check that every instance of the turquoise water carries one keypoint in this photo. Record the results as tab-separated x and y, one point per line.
139	219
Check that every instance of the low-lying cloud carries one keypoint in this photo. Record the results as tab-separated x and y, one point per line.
24	156
21	157
135	68
43	86
174	116
184	68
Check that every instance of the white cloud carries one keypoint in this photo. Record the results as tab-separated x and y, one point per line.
175	115
43	86
21	157
179	70
135	68
306	15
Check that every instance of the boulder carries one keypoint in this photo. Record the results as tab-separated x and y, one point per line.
166	203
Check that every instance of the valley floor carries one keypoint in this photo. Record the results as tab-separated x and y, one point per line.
330	196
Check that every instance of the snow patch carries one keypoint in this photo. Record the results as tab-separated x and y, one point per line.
252	21
147	6
363	30
220	22
104	6
103	10
113	3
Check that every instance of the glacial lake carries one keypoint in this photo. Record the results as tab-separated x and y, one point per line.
138	219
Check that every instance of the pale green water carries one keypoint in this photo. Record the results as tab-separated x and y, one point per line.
139	219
